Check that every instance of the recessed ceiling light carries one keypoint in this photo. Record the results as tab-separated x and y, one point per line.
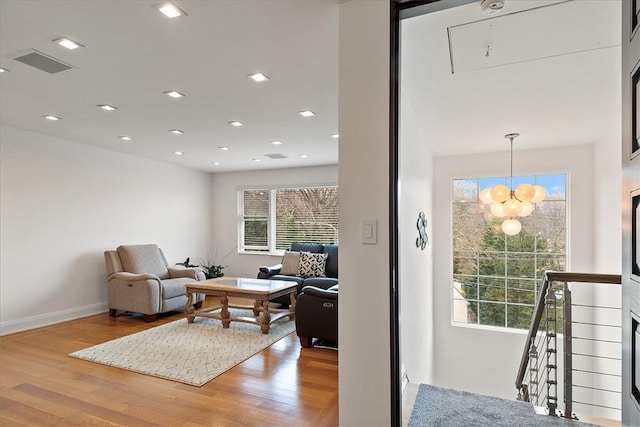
107	107
50	117
236	123
307	113
68	43
170	10
125	138
276	142
257	160
2	70
335	136
215	163
176	131
304	156
174	94
223	148
178	153
258	77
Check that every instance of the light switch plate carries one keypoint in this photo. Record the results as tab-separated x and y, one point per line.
368	231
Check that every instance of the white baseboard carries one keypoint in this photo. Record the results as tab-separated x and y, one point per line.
40	320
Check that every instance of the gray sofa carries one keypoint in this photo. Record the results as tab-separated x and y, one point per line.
330	271
140	281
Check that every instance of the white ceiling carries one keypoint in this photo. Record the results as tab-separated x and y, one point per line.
133	54
552	74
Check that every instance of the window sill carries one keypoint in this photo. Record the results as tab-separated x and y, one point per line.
490	328
277	253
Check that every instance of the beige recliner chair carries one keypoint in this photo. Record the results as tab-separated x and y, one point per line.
140	281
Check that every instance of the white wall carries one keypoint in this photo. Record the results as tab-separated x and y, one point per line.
64	203
607	175
481	360
364	359
225	211
415	185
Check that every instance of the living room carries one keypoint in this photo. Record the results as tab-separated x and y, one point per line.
63	203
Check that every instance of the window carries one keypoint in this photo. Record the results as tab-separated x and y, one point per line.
272	219
497	278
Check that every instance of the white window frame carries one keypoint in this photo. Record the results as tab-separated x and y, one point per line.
241	221
270	249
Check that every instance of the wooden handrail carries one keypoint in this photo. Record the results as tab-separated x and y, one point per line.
556	276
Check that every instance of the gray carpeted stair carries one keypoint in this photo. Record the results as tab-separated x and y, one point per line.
444	407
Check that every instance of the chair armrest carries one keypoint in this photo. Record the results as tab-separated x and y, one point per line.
191	272
271	270
319	292
131	277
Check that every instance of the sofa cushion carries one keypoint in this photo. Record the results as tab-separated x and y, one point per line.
320	282
306	247
290	263
312	264
174	287
331	269
143	259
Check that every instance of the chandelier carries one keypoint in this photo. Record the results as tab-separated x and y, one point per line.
507	203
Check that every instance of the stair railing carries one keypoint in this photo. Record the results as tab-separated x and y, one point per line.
539	357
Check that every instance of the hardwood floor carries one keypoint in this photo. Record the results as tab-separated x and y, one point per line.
284	385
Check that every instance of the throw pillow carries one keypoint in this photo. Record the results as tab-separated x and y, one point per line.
312	264
290	263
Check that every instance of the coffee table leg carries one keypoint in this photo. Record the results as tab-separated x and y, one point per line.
257	307
265	320
292	306
224	313
189	307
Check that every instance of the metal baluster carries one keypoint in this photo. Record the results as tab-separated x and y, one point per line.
534	375
568	361
552	353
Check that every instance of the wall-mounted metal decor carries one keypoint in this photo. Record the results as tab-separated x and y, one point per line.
635	111
423	237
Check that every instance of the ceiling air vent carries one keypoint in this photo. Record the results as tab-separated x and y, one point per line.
43	62
276	156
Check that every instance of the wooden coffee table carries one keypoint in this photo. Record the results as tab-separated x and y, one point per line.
260	290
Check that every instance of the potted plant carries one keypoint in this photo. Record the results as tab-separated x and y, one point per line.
212	269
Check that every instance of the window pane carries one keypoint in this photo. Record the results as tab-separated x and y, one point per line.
491	289
465	190
255	233
464	262
492	264
519	316
465	311
306	215
256	203
521	265
498	276
492	314
522	291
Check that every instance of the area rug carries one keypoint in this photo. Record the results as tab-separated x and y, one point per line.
444	407
193	353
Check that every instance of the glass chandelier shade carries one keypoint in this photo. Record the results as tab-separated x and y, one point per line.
507	203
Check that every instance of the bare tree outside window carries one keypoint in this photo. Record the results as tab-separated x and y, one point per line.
305	214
